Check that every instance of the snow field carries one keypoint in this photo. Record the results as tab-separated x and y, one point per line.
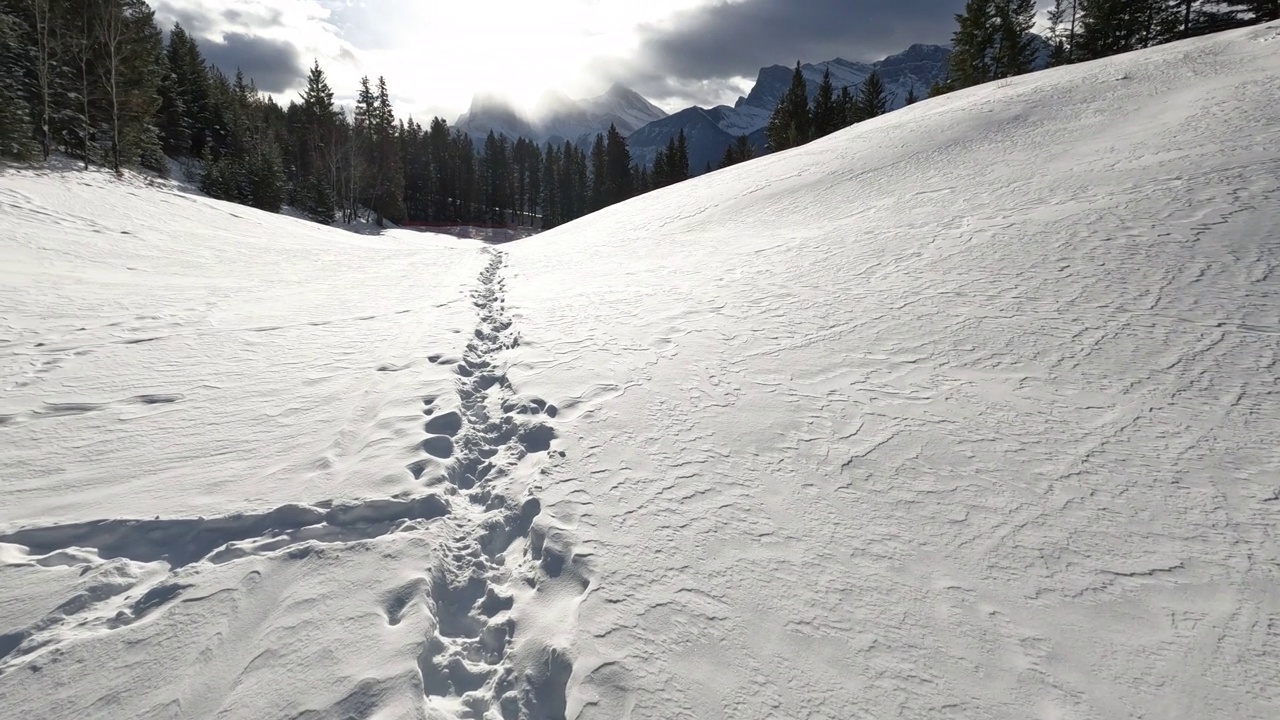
967	411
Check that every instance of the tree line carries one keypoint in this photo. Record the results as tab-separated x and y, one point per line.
993	38
796	121
96	80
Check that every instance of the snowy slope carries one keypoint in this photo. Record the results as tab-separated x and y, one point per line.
969	411
966	411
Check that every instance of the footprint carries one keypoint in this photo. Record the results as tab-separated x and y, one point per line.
440	446
449	423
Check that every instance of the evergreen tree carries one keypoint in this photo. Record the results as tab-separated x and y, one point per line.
551	169
599	173
317	148
643	182
973	43
1108	27
130	72
1261	10
660	171
16	128
827	114
45	62
619	184
740	151
872	100
388	181
183	115
911	98
1062	19
1014	52
678	167
847	103
789	126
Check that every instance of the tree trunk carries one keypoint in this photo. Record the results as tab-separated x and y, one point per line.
40	11
111	26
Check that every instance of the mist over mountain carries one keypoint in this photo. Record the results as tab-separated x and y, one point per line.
557	117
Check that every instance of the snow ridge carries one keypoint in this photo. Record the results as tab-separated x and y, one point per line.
136	552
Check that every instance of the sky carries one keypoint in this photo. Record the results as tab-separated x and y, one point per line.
436	55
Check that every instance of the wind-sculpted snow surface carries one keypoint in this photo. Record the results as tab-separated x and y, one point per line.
967	411
431	582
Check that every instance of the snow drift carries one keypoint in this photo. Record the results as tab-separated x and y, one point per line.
967	411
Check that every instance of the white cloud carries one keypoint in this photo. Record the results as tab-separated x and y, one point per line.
436	55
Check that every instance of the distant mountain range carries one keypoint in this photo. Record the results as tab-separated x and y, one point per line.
708	130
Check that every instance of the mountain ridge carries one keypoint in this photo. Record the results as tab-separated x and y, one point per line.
558	118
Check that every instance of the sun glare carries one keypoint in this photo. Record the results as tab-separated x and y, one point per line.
442	54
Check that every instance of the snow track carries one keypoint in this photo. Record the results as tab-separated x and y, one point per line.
497	439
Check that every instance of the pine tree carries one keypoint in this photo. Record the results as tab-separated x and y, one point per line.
77	81
16	128
1261	10
911	98
847	104
679	163
130	74
738	152
45	61
872	100
599	173
1108	27
973	45
619	184
550	198
826	109
1062	20
660	171
1014	52
318	158
388	179
185	118
789	126
643	182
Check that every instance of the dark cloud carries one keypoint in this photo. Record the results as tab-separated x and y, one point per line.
194	22
274	65
688	56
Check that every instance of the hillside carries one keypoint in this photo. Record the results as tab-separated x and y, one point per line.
965	411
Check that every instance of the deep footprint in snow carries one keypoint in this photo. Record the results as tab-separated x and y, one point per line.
449	423
438	446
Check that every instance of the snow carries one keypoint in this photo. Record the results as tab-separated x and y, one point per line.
966	411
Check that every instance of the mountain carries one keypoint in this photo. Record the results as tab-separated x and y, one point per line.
704	131
557	117
918	66
490	113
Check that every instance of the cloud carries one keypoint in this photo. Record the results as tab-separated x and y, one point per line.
271	41
700	52
274	65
